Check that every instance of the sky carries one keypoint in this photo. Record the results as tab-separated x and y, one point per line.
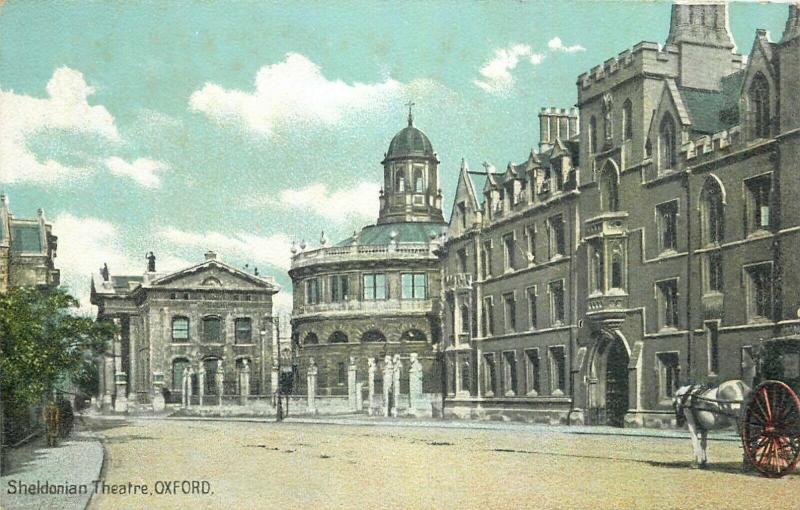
178	127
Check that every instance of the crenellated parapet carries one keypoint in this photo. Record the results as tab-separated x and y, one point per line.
709	144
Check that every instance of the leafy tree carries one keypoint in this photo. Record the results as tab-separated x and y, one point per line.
42	341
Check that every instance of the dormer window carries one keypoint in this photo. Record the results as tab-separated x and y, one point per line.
759	106
667	150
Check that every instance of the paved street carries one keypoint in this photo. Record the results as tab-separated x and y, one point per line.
303	465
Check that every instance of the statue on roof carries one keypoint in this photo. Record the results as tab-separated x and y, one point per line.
104	272
151	262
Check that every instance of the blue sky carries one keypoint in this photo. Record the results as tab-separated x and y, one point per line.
239	126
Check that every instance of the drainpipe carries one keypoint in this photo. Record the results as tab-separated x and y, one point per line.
574	309
689	253
775	222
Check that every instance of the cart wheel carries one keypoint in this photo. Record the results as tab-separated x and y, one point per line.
771	429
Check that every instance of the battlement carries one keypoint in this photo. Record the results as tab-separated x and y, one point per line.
707	144
637	58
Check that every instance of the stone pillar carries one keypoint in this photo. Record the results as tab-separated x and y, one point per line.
219	379
414	384
158	393
397	369
311	382
108	381
359	396
370	384
244	381
201	383
387	384
185	381
351	384
133	367
121	401
187	385
273	382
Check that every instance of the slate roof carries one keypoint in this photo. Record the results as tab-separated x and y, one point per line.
122	283
714	111
26	237
408	232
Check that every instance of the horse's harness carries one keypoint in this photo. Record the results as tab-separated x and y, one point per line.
692	395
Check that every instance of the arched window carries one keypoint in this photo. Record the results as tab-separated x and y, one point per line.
413	335
211	366
178	366
759	106
464	318
592	135
617	267
373	335
419	181
667	157
337	337
310	339
609	189
627	119
212	329
712	212
180	329
212	282
399	180
597	268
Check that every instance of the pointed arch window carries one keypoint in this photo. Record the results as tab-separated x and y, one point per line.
627	119
593	135
667	151
759	106
609	189
712	212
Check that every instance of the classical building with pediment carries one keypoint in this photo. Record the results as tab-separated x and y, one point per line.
211	321
651	240
374	296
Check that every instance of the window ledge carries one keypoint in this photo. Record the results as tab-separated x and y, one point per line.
180	343
668	329
759	320
240	344
758	234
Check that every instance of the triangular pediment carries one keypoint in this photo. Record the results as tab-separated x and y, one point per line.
213	274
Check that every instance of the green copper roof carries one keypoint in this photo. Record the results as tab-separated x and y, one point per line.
411	232
410	141
714	111
26	238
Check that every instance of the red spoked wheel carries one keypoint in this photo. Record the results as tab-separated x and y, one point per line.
771	429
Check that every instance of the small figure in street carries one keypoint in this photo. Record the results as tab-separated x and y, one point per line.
51	420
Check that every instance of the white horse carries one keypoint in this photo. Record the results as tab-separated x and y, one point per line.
705	409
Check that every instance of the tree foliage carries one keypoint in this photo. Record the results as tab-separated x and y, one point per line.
41	341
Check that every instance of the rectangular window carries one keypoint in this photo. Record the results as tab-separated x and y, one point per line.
341	373
340	288
532	315
464	368
666	224
509	373
759	292
508	251
244	330
668	304
712	336
668	374
557	312
558	371
555	235
714	272
757	191
530	237
312	291
597	272
374	287
488	316
486	253
180	329
414	286
212	329
509	312
463	262
489	375
532	372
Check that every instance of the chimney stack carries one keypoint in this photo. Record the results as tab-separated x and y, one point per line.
556	123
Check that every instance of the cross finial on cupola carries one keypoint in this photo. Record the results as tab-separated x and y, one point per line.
410	115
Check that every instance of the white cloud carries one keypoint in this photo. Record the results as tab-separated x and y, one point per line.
282	302
256	250
66	108
142	170
352	203
293	92
496	73
555	44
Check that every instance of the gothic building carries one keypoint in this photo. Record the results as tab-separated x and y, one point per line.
27	250
209	317
374	294
648	243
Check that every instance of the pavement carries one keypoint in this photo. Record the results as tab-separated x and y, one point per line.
74	463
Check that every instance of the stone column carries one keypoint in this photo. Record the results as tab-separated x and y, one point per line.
108	381
311	382
201	382
244	381
273	382
351	384
414	384
219	379
359	396
133	366
370	384
186	384
397	369
158	394
387	384
189	377
121	401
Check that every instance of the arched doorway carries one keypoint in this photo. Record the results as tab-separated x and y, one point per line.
608	391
